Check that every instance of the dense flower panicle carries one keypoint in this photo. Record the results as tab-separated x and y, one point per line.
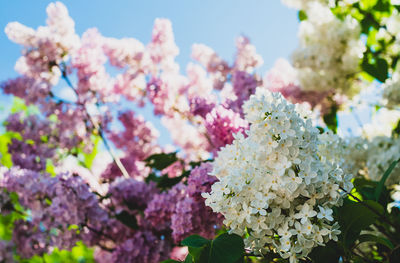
216	66
391	90
130	194
125	52
6	251
29	89
243	85
162	48
58	206
246	58
46	47
191	215
191	139
89	62
382	152
161	208
144	246
221	124
330	51
274	181
35	143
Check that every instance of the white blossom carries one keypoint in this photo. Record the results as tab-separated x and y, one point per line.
275	184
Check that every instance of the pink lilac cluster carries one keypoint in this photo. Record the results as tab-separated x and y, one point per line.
181	211
138	141
144	246
37	142
221	124
61	211
6	251
46	47
88	61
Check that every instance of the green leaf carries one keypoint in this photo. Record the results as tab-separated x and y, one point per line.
375	239
227	248
330	119
170	261
378	68
127	219
367	4
330	253
160	161
195	241
381	183
188	259
302	15
356	216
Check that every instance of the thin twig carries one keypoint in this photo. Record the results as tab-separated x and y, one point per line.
115	158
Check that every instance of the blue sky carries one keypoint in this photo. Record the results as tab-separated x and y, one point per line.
271	26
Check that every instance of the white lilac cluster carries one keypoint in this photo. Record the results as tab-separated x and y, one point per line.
391	90
274	184
330	51
382	152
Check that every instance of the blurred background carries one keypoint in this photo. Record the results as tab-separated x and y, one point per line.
271	27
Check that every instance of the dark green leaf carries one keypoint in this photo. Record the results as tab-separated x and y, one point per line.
381	183
330	119
188	259
170	261
376	68
160	161
195	241
227	248
375	239
355	216
329	253
127	219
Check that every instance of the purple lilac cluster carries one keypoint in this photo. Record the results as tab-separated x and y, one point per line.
181	211
6	251
60	211
144	246
36	144
130	194
191	214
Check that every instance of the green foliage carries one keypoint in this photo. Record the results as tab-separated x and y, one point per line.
226	247
375	239
377	68
302	15
357	216
78	254
161	161
19	105
330	119
86	159
330	253
381	183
